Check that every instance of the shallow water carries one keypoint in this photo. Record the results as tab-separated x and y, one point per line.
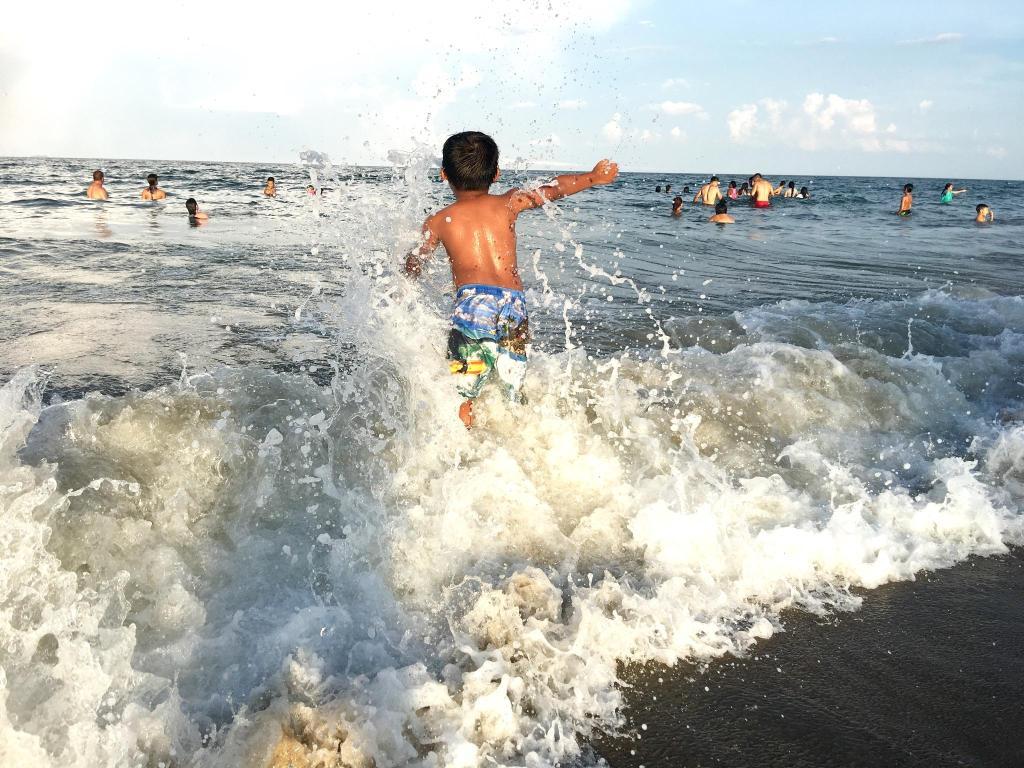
238	504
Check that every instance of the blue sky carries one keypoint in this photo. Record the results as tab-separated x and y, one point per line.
873	88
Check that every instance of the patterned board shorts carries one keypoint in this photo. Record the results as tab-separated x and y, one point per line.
490	334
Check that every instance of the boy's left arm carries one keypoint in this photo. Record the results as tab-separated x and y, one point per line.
430	240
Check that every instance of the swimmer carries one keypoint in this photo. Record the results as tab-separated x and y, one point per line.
153	192
732	192
686	190
948	192
777	192
722	213
761	191
744	191
96	190
677	206
310	189
907	202
985	215
271	189
490	332
790	190
803	194
668	189
658	188
195	216
710	193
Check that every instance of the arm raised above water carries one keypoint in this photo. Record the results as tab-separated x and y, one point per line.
567	184
428	244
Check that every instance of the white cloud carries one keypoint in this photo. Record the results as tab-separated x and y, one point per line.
677	134
997	152
925	105
612	130
942	37
854	115
682	108
572	104
675	82
829	40
742	122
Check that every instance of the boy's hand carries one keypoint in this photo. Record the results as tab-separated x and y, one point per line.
605	172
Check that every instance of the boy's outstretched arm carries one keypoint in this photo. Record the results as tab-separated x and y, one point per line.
567	184
428	244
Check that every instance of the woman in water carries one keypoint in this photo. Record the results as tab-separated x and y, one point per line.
948	192
733	192
803	194
744	190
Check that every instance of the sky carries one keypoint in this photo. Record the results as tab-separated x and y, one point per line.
917	88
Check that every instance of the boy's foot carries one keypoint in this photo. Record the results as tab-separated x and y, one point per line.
466	413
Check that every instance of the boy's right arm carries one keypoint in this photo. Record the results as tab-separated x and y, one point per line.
567	184
428	244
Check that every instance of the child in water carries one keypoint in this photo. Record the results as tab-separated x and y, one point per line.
908	200
677	206
722	213
490	329
948	192
985	215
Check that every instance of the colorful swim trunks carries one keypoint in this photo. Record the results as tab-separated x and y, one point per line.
490	333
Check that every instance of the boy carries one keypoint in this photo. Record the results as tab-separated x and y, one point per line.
271	189
985	215
710	193
908	200
96	190
677	206
194	214
722	214
490	329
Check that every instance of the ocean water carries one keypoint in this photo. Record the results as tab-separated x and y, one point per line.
242	524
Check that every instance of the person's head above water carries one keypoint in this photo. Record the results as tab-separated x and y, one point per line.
908	187
947	187
152	179
192	206
721	207
686	189
677	202
792	185
97	175
714	180
804	191
980	207
658	188
469	161
732	185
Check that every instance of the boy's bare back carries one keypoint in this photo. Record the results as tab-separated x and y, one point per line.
478	230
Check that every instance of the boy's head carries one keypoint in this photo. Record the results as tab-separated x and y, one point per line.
721	207
97	175
714	179
908	188
469	161
191	206
270	180
677	202
981	207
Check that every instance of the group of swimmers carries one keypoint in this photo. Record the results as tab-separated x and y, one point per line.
761	191
983	214
97	191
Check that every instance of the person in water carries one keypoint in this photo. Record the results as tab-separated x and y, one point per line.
668	189
907	202
790	190
271	189
732	192
744	190
96	190
985	215
761	191
490	328
658	188
310	189
194	214
722	213
779	189
686	189
677	206
710	193
803	194
153	192
948	193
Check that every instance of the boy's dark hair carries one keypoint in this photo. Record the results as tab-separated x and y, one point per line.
980	206
908	187
191	206
271	178
721	207
151	178
470	160
714	178
97	175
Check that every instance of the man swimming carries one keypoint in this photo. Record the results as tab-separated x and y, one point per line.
153	192
271	189
490	329
96	191
985	215
710	193
722	214
907	201
760	191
